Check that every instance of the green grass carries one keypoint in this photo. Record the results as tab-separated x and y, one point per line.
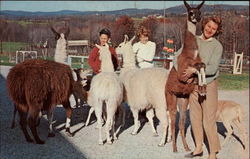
13	46
76	63
228	81
4	60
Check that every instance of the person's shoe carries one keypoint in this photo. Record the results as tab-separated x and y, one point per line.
191	155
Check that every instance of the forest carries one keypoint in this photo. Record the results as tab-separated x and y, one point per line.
32	32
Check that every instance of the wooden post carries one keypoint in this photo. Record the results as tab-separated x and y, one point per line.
1	47
238	61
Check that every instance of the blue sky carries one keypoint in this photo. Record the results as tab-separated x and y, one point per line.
47	6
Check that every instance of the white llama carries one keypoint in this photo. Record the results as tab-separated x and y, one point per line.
107	88
144	89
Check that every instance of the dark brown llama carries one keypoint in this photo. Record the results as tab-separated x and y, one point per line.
180	86
80	86
39	85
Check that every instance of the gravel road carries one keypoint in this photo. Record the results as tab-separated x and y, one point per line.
84	144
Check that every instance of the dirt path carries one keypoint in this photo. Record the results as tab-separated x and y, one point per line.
85	142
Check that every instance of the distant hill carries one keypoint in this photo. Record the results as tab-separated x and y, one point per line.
131	11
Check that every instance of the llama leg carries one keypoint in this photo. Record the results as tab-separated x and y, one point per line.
33	114
242	131
39	118
183	110
98	113
171	103
76	100
161	114
23	122
89	115
110	109
229	131
14	117
169	137
150	115
136	121
121	117
50	120
66	105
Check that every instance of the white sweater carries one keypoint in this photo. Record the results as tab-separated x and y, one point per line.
145	52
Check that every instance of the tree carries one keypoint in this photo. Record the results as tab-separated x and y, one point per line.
123	25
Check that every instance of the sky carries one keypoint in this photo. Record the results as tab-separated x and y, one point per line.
48	6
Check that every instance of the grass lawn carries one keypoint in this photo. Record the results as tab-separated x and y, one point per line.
13	46
229	81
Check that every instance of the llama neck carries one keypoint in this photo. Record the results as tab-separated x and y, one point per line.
129	59
60	52
191	27
107	64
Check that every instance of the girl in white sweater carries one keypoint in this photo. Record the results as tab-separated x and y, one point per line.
144	49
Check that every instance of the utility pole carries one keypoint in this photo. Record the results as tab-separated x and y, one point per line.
164	30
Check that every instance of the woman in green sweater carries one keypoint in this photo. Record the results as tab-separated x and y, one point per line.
203	115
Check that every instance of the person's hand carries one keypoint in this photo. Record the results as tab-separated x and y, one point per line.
190	80
139	59
189	71
84	83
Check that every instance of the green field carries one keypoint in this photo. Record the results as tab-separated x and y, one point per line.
228	81
12	46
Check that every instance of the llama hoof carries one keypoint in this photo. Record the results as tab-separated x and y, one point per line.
115	138
12	126
155	134
68	132
100	142
175	150
133	133
29	140
51	134
109	142
169	140
40	142
161	144
187	149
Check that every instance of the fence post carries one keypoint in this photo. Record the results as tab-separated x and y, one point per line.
238	61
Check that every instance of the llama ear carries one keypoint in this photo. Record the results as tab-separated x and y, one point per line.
133	38
187	5
98	46
199	6
57	35
125	38
67	33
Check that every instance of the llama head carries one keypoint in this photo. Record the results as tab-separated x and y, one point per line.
105	58
81	73
62	35
194	13
104	51
125	46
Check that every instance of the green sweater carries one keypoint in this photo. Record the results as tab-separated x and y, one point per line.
210	52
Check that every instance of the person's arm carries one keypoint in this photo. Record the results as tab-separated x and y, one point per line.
114	58
93	57
150	53
213	64
136	49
